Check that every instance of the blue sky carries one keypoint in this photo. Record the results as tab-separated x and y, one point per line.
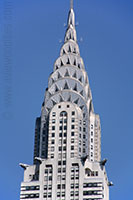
36	26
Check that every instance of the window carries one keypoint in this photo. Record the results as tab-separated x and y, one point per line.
59	170
52	155
64	162
50	187
45	187
60	134
59	162
46	171
63	194
73	119
72	147
72	155
59	177
91	139
84	136
68	106
59	186
63	186
59	106
91	133
64	155
53	128
65	134
72	126
72	140
53	121
58	194
53	114
52	148
52	141
63	177
50	178
60	148
73	112
72	133
53	134
72	185
64	148
64	169
91	126
65	127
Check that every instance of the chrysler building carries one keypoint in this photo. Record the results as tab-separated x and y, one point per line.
67	161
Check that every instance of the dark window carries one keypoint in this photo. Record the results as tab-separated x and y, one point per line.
64	148
73	119
72	147
72	133
72	126
59	186
59	162
60	134
53	134
60	148
64	162
65	134
73	112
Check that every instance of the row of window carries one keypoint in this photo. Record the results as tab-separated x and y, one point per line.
86	185
47	187
35	187
93	199
92	192
91	173
29	196
62	114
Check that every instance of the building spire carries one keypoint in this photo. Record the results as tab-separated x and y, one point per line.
71	4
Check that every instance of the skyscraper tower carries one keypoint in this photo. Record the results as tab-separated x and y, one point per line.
67	149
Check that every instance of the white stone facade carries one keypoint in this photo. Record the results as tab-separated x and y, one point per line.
67	150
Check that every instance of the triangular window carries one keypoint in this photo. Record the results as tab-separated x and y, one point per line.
64	51
81	92
68	61
79	66
80	79
61	63
69	49
69	98
67	73
61	99
76	101
75	75
66	86
59	76
74	62
56	88
75	87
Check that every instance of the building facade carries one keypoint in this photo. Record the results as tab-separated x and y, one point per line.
67	149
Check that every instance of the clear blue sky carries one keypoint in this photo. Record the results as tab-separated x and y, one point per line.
36	26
